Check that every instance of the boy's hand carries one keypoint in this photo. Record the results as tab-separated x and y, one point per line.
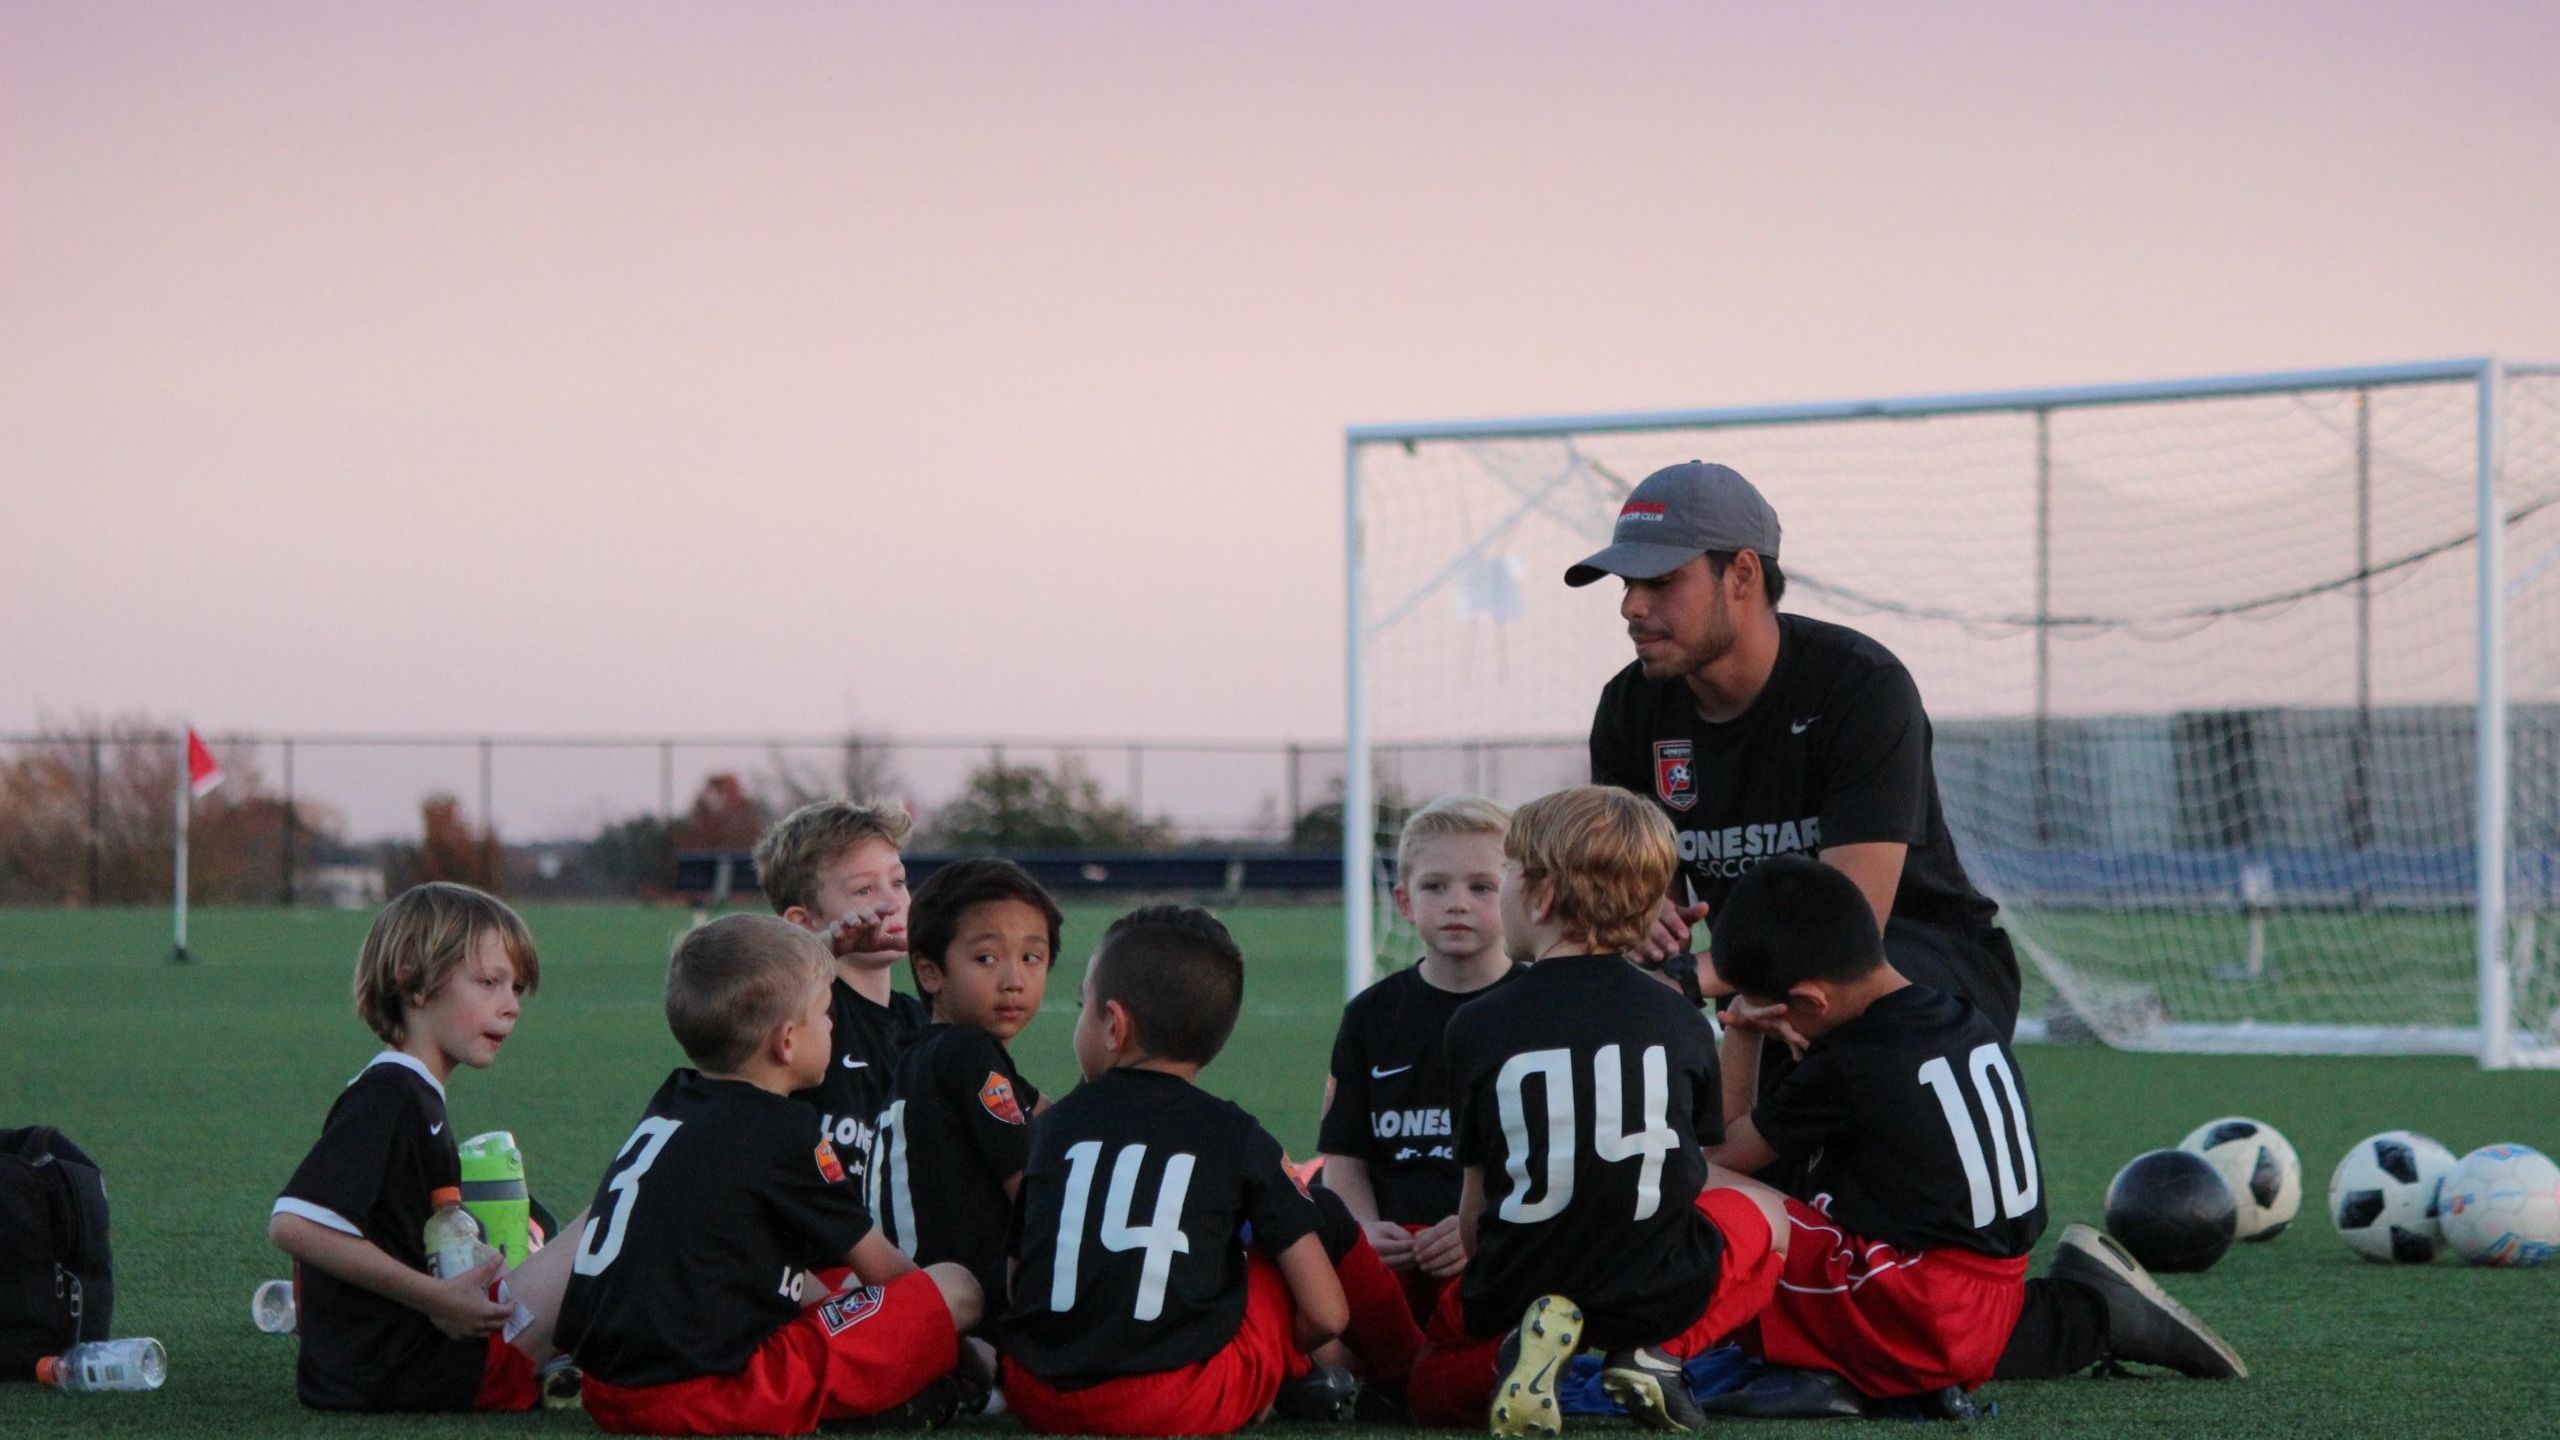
863	930
461	1307
1393	1242
1441	1251
1751	1019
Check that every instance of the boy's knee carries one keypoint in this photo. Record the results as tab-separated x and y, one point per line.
960	1291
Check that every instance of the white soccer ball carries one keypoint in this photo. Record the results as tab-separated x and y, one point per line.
2501	1206
2259	1165
2382	1197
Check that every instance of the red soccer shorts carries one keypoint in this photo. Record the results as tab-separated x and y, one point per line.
1894	1322
1453	1381
506	1379
1216	1396
1421	1291
855	1355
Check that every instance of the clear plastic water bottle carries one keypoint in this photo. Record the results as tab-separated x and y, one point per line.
453	1237
136	1364
272	1308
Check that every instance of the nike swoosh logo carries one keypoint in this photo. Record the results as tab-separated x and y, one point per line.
1377	1074
1798	727
852	1064
436	1129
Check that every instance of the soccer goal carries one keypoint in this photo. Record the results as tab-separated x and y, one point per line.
2246	689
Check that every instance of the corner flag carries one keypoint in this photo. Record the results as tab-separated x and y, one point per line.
203	771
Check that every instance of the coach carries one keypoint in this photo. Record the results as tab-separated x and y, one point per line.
1763	734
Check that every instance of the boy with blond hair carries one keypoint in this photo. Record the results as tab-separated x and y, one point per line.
440	980
1587	1089
1389	1135
833	867
683	1306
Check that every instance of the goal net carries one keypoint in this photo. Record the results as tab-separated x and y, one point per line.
2205	661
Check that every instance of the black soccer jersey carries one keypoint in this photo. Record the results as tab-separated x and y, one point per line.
696	1240
1916	1126
1135	1211
1586	1089
957	1126
1393	1102
384	1149
869	1040
1834	751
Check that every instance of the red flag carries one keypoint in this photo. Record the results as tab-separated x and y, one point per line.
203	771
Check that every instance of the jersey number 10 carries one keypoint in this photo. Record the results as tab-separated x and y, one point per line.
1610	1139
1161	1238
2002	1109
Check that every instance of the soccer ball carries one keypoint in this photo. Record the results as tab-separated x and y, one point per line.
2172	1210
2382	1197
2501	1206
2259	1165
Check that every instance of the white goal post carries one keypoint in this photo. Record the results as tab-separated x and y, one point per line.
2245	689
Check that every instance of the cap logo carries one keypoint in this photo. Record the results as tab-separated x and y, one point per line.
1675	777
1652	510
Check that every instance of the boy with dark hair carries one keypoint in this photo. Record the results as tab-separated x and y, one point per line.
681	1335
1171	1277
1389	1132
833	867
1586	1089
440	981
951	1145
1907	1273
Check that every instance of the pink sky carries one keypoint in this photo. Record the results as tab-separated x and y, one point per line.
982	369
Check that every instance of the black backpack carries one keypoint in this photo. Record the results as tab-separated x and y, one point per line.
57	1285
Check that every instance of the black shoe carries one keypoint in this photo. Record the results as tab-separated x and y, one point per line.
1787	1394
2144	1326
1322	1396
1652	1388
1382	1402
1531	1363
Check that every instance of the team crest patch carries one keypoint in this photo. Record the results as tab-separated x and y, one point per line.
997	1096
828	1165
843	1312
1675	776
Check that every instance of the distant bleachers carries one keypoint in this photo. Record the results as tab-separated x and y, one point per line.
1203	872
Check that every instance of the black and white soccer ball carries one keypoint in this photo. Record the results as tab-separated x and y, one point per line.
2259	1165
2383	1197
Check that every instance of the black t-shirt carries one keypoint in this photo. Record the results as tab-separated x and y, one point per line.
1916	1125
1142	1192
1835	750
696	1240
957	1127
1394	1103
869	1039
1586	1089
384	1149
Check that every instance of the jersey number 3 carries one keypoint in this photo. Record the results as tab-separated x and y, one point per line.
604	1237
1161	1239
1610	1138
2002	1110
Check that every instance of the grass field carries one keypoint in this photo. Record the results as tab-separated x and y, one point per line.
199	1087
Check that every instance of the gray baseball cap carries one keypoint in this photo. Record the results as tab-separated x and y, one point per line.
1680	512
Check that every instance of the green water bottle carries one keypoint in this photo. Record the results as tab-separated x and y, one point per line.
493	1191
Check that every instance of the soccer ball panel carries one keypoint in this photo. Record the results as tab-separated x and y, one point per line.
2259	1165
2382	1197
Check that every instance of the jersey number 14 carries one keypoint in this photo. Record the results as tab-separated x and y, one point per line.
1161	1238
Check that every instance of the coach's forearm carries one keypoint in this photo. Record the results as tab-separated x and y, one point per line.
1741	1066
